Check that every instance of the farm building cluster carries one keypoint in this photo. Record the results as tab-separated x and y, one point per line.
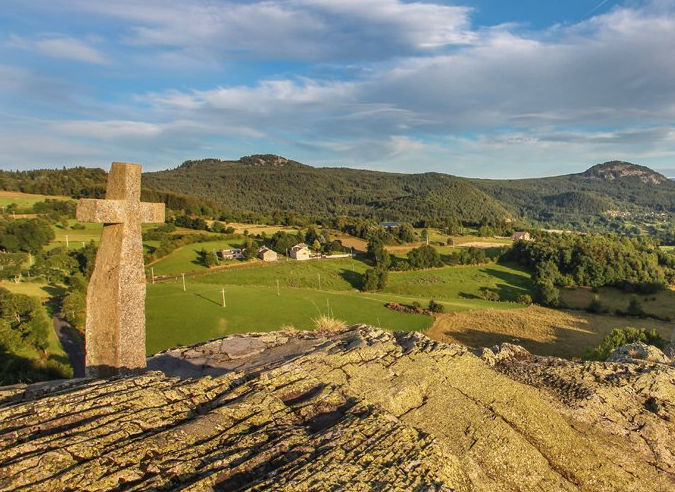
300	252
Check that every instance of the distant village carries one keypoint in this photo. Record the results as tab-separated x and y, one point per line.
299	252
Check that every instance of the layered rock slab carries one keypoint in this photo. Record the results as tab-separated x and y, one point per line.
357	410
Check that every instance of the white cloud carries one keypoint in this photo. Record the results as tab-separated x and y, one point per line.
306	30
59	46
415	83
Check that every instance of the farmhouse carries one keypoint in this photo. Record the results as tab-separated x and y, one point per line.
300	252
231	254
521	236
267	254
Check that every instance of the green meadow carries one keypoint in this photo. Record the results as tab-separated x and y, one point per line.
24	201
307	290
186	258
175	317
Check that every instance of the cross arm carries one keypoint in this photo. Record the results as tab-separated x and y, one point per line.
152	212
105	211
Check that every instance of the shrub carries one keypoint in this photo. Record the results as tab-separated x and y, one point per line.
623	336
436	307
547	293
424	257
326	323
416	305
634	308
375	279
525	299
595	306
489	295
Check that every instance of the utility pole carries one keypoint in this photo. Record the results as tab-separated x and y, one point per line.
223	293
67	243
152	273
278	292
183	281
319	281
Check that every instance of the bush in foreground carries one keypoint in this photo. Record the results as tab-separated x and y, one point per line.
623	336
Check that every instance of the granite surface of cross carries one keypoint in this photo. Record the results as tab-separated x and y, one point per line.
115	321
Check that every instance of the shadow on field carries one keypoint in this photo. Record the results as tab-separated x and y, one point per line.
207	299
512	286
478	338
53	290
355	279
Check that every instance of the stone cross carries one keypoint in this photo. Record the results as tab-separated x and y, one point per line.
115	322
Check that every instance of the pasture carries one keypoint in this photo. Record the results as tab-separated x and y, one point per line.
175	317
462	282
187	258
307	290
540	330
661	304
24	201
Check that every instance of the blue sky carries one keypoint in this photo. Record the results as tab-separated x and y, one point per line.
484	88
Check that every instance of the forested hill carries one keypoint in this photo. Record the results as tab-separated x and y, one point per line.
612	186
266	183
263	184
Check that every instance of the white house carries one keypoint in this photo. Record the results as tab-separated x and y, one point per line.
300	252
521	236
231	254
267	254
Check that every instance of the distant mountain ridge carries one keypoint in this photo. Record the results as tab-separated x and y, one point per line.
265	183
268	184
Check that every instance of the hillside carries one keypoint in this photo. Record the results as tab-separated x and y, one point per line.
269	183
615	185
357	410
264	184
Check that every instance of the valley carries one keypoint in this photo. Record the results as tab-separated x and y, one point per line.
464	266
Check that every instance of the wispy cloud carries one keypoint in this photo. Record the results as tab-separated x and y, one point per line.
387	83
59	46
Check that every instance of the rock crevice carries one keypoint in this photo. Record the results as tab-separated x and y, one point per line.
356	410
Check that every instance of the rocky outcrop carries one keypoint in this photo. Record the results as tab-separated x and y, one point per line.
639	351
613	170
356	410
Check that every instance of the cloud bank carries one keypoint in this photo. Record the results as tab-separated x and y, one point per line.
384	84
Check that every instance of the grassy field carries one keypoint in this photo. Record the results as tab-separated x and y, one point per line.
661	304
339	275
540	330
260	228
254	304
90	232
24	200
462	282
175	317
186	259
34	289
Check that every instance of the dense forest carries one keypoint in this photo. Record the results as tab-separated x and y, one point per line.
578	201
268	183
631	264
614	196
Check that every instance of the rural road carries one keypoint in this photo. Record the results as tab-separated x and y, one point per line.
71	345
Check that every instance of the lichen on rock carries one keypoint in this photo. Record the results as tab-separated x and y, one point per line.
356	410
